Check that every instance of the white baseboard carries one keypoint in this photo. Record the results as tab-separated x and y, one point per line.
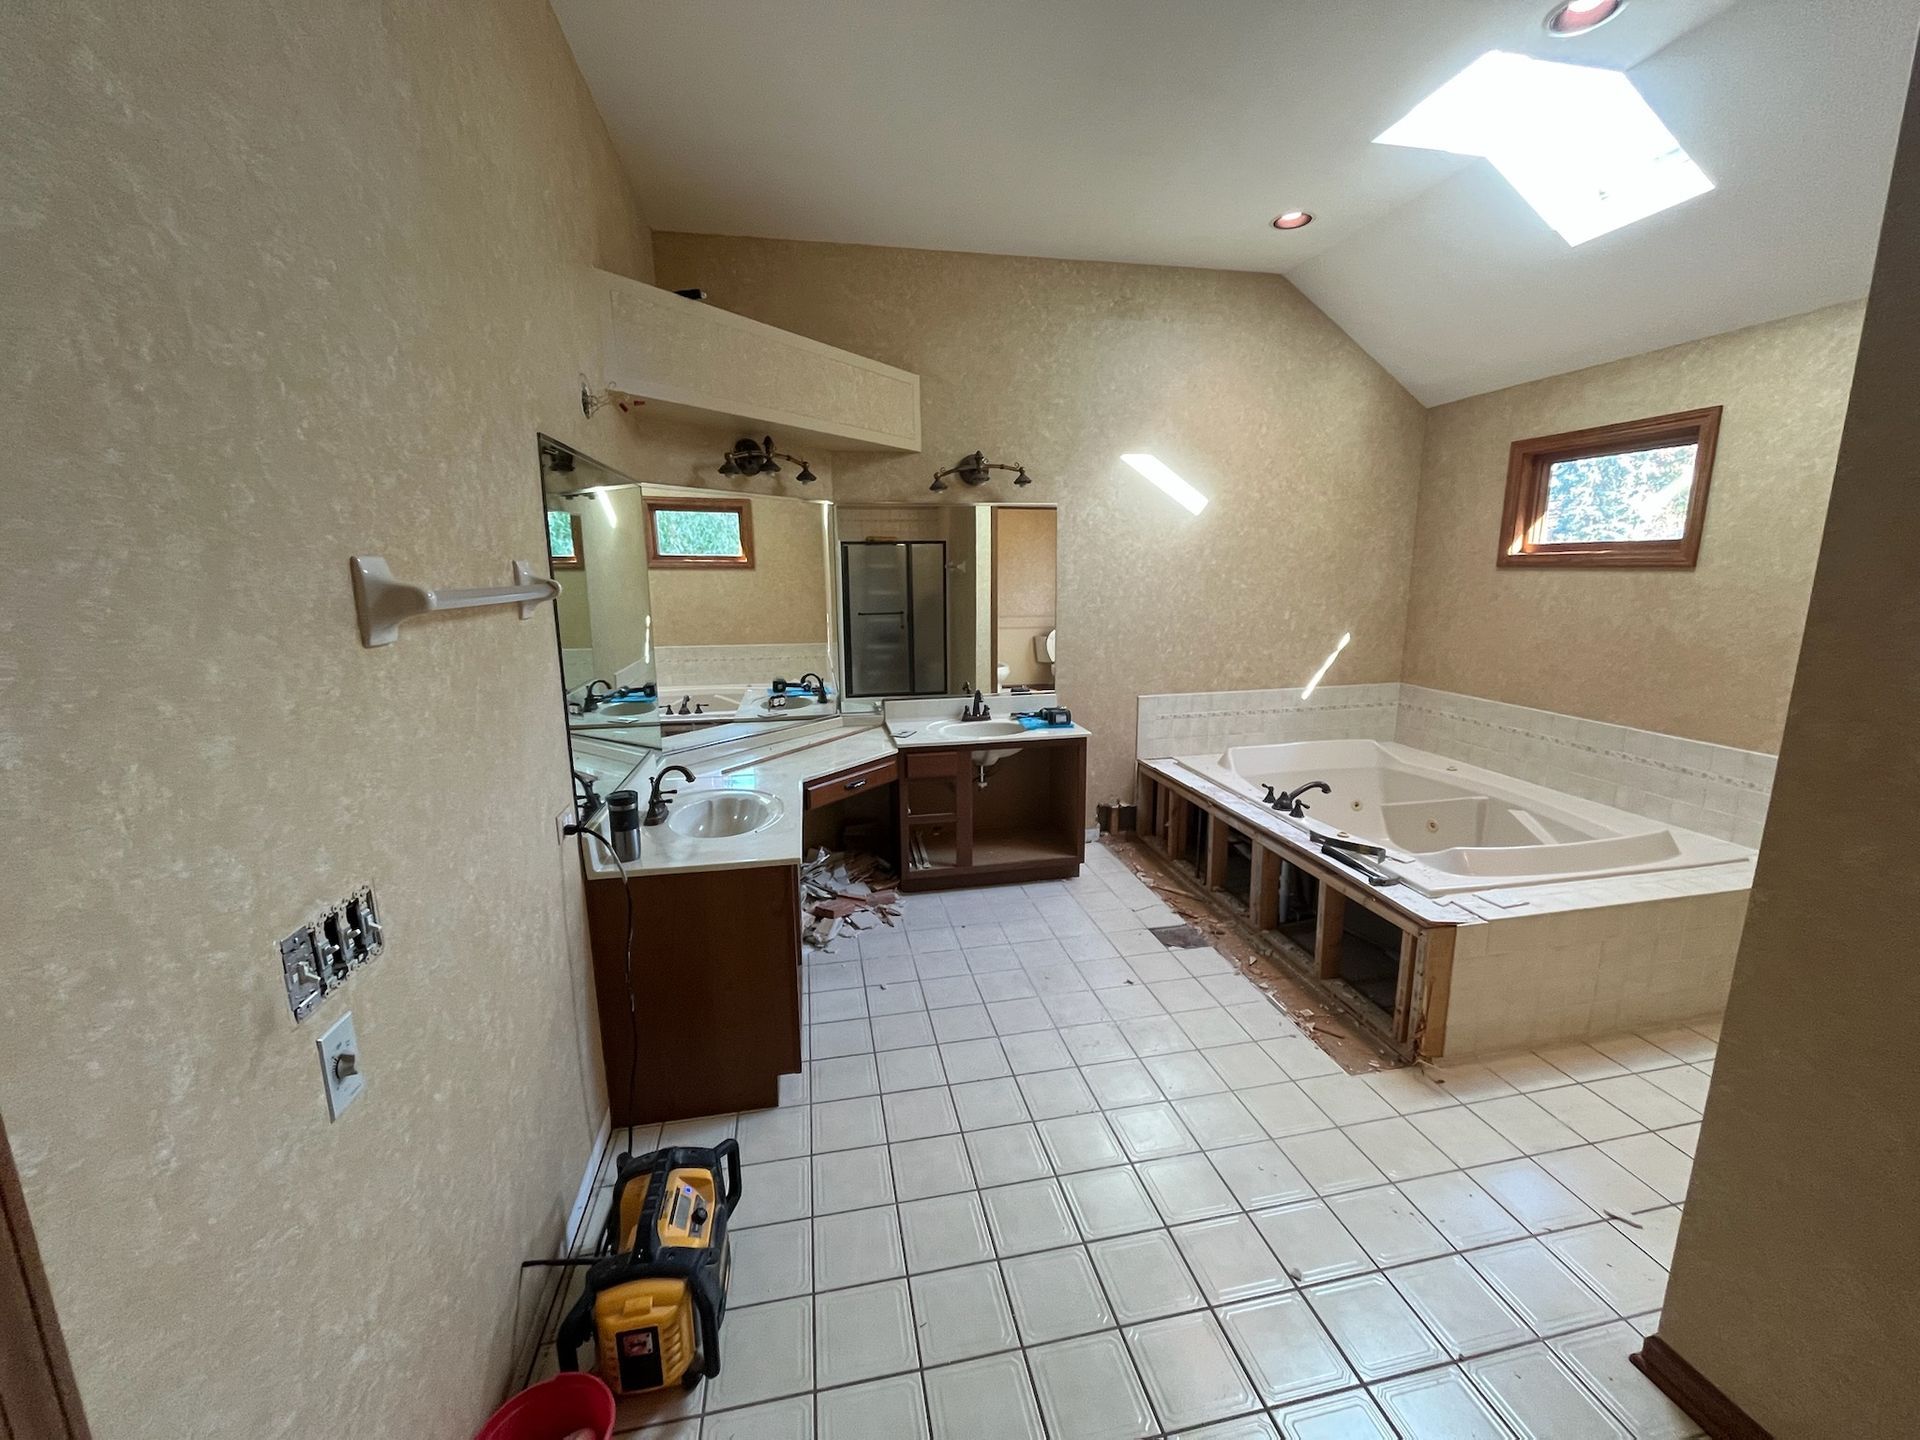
583	1198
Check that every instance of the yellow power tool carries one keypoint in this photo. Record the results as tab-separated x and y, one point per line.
653	1304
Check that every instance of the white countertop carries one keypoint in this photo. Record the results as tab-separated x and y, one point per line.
782	767
909	736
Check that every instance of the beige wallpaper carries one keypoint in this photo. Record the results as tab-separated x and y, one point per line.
1794	1279
782	600
1706	653
1309	451
289	283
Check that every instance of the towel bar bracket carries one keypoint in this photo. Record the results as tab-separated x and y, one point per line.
385	603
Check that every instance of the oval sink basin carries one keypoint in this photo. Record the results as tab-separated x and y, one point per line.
624	709
718	814
962	731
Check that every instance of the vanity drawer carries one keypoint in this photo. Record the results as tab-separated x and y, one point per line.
830	789
933	762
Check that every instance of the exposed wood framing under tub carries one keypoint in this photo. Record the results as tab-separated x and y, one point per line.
1414	1020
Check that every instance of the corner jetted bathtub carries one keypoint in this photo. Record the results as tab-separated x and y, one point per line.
1449	827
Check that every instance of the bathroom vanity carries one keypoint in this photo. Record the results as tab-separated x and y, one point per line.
1018	818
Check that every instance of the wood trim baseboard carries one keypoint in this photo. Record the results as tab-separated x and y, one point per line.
1705	1403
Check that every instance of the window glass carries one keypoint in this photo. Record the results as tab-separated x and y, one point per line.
1639	495
698	534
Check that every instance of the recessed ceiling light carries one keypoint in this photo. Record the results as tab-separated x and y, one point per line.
1580	144
1292	220
1576	17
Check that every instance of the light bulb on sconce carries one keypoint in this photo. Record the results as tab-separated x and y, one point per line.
976	469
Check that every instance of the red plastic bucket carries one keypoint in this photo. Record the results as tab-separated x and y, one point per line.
554	1410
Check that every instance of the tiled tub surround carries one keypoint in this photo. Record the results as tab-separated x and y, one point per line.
1047	1177
1714	789
686	667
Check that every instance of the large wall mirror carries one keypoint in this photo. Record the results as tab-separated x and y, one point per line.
939	600
684	611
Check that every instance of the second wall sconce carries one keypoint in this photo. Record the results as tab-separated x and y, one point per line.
976	469
758	457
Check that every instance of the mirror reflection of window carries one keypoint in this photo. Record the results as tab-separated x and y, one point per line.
563	540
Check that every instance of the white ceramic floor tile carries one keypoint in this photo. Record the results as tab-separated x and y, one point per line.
1460	1210
1463	1137
1080	1142
1397	1149
1186	1187
1148	1132
1532	1196
1109	1202
1030	1216
1582	1111
1158	1035
859	1334
985	1104
1686	1044
1538	1288
1600	1358
1539	1398
1375	1329
917	1114
1056	1092
843	1079
1468	1083
790	1419
1409	1090
1662	1167
890	1409
1092	1044
1119	1084
857	1247
1287	1352
1684	1083
1388	1225
1033	1050
841	1037
1600	1181
769	1354
899	995
1056	1294
1183	1075
850	1180
944	1231
1525	1125
848	1124
1189	1370
1459	1307
1217	1121
1144	1277
778	1190
771	1262
962	1314
774	1134
1352	1416
916	1068
1230	1259
1330	1162
1614	1268
935	1166
1526	1072
1580	1061
911	1029
1655	1232
1260	1175
1244	1067
974	1060
1006	1155
1346	1099
1439	1405
1288	1109
1311	1243
981	1398
1089	1390
1644	1101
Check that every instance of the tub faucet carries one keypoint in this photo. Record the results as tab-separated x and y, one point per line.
1289	803
977	710
657	799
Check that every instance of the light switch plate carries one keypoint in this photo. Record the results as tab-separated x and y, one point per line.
340	1065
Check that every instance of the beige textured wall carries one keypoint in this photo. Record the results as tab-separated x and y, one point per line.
1796	1281
782	600
1025	580
1706	653
287	283
1309	451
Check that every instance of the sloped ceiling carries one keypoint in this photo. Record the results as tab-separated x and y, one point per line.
1171	134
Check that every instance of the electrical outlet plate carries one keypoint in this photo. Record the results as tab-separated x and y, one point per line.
560	824
340	1065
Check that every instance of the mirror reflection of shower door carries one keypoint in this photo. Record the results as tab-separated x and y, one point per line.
895	601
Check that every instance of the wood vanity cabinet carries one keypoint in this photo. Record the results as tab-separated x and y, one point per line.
1027	823
716	979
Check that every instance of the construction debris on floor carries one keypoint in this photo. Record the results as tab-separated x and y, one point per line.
842	891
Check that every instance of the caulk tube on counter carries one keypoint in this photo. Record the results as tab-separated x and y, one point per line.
623	823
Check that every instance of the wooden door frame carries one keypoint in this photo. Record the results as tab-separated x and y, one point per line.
38	1397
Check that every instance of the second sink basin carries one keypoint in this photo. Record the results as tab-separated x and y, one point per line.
962	731
716	814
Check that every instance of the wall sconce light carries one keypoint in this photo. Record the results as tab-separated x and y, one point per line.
757	457
976	469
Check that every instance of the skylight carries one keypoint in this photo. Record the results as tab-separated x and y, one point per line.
1581	145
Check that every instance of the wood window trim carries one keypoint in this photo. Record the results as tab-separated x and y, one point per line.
577	560
743	561
1528	462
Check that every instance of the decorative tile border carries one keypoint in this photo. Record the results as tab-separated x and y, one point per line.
1714	789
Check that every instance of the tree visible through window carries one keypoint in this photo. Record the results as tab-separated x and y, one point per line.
1621	495
689	534
563	540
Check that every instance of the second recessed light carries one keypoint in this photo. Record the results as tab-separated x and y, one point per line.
1576	17
1292	220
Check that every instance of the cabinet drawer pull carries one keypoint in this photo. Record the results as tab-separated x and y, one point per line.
855	784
